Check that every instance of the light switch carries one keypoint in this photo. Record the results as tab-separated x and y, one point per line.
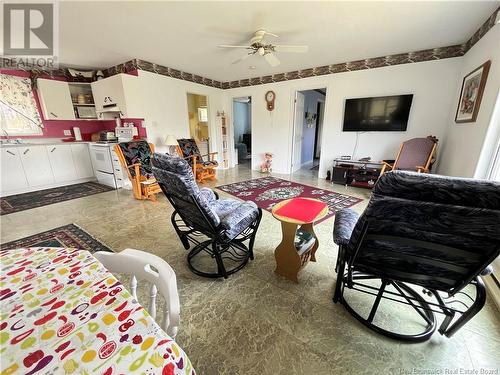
67	132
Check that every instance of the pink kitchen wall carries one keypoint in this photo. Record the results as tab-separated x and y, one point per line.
55	128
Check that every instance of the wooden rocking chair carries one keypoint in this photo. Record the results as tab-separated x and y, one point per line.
135	158
202	169
417	155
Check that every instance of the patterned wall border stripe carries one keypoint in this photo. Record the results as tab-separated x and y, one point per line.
137	64
370	63
485	27
376	62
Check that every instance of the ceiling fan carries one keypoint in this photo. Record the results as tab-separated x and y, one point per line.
259	46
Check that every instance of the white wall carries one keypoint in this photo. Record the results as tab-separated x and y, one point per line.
432	83
464	149
166	108
469	146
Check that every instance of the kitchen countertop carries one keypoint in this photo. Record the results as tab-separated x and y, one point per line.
31	144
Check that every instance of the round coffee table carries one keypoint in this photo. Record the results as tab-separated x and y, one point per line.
288	260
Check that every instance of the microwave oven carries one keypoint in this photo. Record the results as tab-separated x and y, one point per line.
85	112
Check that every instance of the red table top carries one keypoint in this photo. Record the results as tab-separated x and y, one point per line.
305	210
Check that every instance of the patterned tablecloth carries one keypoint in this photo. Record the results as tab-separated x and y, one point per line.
62	312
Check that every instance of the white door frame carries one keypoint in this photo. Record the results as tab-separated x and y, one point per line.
231	127
292	114
293	168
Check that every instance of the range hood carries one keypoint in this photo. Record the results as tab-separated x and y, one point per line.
110	108
109	112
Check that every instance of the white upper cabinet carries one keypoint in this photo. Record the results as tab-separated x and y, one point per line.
36	165
55	99
12	171
83	163
119	92
61	160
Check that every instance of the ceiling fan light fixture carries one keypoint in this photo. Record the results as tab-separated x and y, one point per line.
264	49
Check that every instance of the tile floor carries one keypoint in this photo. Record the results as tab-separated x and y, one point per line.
257	322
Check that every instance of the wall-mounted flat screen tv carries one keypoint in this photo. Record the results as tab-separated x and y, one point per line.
383	113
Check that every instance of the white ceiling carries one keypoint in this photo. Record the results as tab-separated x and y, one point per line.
184	35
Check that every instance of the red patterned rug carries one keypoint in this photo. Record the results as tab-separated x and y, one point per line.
70	235
268	191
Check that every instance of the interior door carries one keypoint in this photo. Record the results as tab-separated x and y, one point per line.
297	132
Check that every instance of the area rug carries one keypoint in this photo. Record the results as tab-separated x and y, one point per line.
267	191
70	235
21	202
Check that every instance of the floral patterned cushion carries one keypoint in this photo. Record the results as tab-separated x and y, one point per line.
138	152
190	148
231	216
176	176
235	216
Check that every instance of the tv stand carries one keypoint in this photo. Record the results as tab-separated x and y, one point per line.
356	173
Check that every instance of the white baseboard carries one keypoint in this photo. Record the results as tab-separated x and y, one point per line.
48	186
493	290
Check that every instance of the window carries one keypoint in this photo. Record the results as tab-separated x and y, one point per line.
202	114
18	111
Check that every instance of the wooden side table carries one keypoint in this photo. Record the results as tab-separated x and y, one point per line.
288	260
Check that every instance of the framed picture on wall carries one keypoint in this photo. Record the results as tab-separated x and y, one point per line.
471	94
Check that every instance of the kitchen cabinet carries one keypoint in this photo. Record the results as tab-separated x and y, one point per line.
83	163
120	92
36	165
61	161
31	167
12	171
55	99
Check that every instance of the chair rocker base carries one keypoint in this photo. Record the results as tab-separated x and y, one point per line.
240	256
235	251
406	295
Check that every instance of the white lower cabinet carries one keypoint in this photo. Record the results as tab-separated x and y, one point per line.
83	163
61	161
36	165
12	171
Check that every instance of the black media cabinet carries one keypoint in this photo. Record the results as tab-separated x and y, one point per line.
356	173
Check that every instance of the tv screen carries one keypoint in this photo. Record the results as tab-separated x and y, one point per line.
383	113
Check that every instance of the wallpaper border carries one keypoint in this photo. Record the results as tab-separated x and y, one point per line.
438	53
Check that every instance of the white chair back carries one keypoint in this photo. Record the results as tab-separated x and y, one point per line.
138	264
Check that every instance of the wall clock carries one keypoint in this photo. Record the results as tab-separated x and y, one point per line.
270	97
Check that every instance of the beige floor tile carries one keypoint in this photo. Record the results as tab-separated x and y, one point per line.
258	322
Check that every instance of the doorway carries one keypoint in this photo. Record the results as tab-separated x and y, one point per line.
198	121
242	126
308	129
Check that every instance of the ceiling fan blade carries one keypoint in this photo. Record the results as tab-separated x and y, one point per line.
300	49
272	59
244	57
268	33
230	46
